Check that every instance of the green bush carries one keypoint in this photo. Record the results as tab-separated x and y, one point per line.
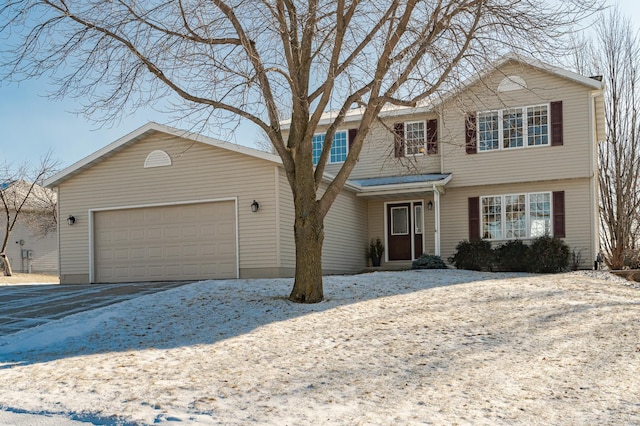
548	255
427	261
475	255
513	256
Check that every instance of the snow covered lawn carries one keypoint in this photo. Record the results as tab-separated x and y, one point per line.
385	348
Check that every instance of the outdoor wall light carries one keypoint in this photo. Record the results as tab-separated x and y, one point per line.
255	206
430	205
71	220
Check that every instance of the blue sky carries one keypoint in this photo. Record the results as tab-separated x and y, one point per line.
31	124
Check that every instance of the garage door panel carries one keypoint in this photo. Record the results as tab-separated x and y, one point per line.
195	241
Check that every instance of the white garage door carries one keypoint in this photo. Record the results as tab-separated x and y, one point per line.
183	242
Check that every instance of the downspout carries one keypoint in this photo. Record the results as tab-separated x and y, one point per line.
436	193
595	208
436	202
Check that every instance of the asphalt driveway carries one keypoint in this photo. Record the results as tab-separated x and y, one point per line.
25	306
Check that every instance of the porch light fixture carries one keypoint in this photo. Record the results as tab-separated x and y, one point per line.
430	205
71	220
255	206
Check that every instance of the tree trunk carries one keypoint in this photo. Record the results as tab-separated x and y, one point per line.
309	236
6	266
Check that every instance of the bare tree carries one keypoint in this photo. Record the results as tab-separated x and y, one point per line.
614	53
23	198
261	60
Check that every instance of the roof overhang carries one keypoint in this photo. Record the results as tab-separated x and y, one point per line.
401	185
389	111
142	132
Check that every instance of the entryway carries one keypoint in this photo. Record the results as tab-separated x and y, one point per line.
405	225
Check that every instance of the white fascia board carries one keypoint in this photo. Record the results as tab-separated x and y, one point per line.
125	140
403	188
561	72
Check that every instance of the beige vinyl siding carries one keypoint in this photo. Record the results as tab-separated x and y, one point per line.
571	160
45	249
286	219
345	230
199	172
345	235
377	154
578	212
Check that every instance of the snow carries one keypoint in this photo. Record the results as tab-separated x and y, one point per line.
387	347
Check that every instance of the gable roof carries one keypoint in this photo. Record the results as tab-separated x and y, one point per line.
355	114
39	197
140	133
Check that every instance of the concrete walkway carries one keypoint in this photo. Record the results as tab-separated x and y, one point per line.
25	306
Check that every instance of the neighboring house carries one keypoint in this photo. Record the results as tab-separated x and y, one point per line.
33	243
512	155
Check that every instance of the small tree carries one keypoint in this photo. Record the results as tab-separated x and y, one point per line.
614	53
22	197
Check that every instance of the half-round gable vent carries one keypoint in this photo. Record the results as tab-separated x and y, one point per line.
157	158
512	82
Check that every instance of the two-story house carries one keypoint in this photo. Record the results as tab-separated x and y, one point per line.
511	155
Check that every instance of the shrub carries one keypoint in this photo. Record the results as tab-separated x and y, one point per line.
427	261
475	255
513	256
631	259
548	255
576	259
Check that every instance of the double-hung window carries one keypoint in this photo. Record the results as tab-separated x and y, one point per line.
515	216
339	147
415	138
513	128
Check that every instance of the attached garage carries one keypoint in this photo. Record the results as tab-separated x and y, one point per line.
188	241
162	204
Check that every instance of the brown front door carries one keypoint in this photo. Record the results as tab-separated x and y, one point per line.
404	225
399	231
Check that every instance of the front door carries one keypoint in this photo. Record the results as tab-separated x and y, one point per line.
404	230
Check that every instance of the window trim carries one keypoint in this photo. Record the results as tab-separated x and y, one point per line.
418	220
324	135
525	127
408	224
421	151
503	215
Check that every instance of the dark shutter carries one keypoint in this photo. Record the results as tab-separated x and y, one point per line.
556	123
352	135
558	214
398	130
474	218
470	134
432	136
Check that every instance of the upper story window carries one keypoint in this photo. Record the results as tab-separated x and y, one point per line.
415	138
339	147
539	125
513	128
